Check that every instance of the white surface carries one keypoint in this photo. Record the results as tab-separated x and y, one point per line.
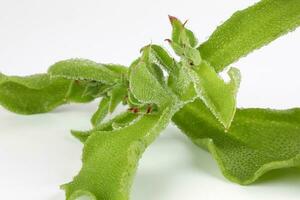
37	153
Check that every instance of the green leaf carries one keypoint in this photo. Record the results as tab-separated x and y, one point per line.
110	158
146	86
184	42
117	95
132	101
108	103
181	35
101	112
36	81
118	69
94	88
258	140
218	96
39	93
192	55
161	57
250	29
80	69
152	66
181	84
120	121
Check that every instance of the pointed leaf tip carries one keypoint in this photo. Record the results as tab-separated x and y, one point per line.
144	47
168	40
173	19
185	22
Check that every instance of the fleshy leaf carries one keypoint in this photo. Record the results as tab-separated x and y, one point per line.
148	57
218	96
111	157
250	29
184	42
132	101
146	86
118	69
39	93
161	57
117	95
120	121
181	35
258	140
80	69
181	84
108	104
101	112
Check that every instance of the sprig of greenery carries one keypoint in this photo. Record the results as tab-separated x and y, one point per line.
258	140
158	88
250	29
40	93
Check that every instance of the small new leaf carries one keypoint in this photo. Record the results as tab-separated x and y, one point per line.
146	86
101	112
161	57
181	35
117	95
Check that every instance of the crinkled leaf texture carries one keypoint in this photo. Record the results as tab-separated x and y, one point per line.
217	95
101	112
110	158
122	120
250	29
258	140
82	69
146	85
112	150
39	93
73	80
161	57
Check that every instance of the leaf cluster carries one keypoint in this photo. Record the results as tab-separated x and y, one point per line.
157	89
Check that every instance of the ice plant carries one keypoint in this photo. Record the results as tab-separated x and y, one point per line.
157	89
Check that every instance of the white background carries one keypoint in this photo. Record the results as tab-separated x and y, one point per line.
37	153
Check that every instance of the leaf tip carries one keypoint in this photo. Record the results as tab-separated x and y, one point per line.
185	22
168	40
145	47
172	19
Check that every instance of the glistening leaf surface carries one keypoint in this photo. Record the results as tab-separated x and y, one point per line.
258	140
146	86
110	158
250	29
101	112
218	96
117	95
162	57
81	69
39	93
109	103
120	121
